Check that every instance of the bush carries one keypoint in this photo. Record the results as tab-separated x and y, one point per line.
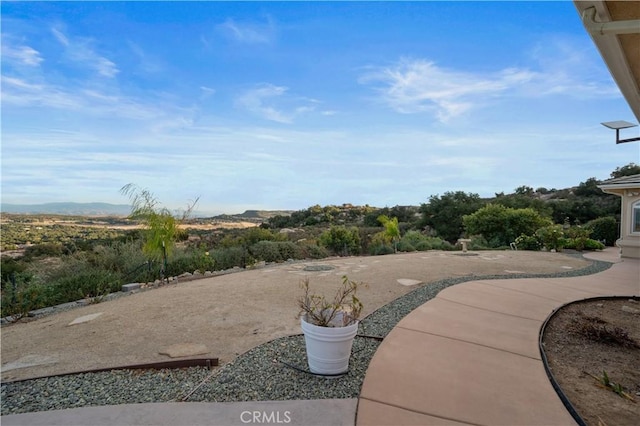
189	261
405	246
578	236
552	237
587	244
478	242
83	283
341	241
118	257
380	249
289	250
22	299
501	225
227	258
424	246
528	242
412	238
604	229
446	246
314	251
44	249
266	250
592	244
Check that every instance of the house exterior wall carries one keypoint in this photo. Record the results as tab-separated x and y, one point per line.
629	241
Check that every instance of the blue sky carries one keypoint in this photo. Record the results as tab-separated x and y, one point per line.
286	105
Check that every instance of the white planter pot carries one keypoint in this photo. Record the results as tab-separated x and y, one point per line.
328	348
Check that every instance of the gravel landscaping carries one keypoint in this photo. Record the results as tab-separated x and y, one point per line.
271	371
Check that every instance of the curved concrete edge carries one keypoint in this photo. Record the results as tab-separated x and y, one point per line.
303	412
471	355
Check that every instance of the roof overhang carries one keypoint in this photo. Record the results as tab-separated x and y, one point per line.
614	27
618	186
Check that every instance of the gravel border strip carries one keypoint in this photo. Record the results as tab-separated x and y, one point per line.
261	374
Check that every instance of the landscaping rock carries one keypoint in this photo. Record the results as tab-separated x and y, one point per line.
85	318
408	282
131	287
184	349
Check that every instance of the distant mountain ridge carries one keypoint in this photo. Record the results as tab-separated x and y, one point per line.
106	209
259	215
68	209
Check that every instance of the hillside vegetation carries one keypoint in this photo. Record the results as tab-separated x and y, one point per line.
61	263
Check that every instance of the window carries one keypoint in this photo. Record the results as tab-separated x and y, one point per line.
635	217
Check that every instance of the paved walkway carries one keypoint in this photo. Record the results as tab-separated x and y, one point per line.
469	356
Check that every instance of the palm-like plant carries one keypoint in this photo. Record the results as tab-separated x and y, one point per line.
161	226
391	229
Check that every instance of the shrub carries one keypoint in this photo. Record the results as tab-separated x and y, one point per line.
528	242
256	234
446	246
118	257
592	244
314	251
552	237
10	267
380	249
227	258
501	225
24	298
44	249
604	229
289	250
412	238
341	240
424	246
83	283
587	244
190	261
405	246
478	242
578	236
266	250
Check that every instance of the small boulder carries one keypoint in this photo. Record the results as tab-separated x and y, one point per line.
184	349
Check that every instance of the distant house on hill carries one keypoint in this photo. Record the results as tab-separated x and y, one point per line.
628	188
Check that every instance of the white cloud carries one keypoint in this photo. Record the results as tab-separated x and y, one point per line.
206	92
24	55
556	66
80	51
250	33
567	68
20	92
412	86
270	102
60	37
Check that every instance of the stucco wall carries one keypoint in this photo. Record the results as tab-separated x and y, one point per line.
629	241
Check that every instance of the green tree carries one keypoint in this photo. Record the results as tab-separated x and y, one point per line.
444	214
501	225
628	170
341	240
589	188
524	190
604	229
161	226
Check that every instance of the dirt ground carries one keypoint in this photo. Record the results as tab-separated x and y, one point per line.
230	314
585	339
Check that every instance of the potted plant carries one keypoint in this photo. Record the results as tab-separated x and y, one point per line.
329	326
